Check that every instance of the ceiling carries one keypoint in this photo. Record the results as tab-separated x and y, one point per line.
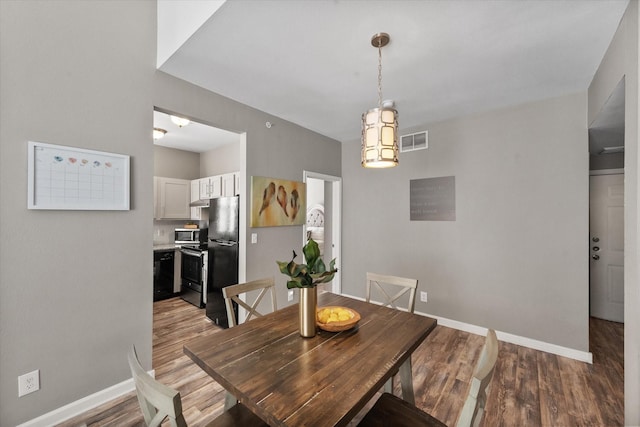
312	63
195	137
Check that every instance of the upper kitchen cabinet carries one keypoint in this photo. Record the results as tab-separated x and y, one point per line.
171	198
225	185
230	186
210	187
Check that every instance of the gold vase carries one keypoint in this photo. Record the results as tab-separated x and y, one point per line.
308	306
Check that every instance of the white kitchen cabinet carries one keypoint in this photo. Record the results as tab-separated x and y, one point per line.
210	187
172	198
196	213
229	185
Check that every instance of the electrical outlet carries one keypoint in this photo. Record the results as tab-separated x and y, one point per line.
423	296
28	383
254	237
290	296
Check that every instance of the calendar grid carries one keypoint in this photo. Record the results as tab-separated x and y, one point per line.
74	178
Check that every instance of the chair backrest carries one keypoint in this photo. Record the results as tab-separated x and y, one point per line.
233	292
157	401
383	285
473	408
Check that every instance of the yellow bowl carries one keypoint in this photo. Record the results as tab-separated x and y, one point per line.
341	325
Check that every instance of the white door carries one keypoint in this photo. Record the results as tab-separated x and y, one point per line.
606	247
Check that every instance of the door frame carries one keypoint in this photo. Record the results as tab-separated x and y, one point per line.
336	222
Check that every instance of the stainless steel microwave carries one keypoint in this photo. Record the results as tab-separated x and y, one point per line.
189	235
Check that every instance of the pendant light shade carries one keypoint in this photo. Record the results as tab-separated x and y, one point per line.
380	125
180	121
380	138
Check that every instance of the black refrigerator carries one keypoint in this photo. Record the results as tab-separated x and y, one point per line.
223	255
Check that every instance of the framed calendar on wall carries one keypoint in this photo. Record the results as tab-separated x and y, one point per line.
62	177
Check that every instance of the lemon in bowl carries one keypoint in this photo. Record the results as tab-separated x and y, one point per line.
335	319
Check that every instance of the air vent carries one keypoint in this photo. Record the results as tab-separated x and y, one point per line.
414	141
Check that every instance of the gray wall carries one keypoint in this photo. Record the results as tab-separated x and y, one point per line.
221	160
172	163
514	259
76	286
621	59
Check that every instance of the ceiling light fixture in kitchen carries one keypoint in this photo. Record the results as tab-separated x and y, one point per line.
380	125
180	121
158	133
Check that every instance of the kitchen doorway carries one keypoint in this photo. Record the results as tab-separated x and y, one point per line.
201	162
323	224
606	209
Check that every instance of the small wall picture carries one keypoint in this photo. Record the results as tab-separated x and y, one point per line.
277	202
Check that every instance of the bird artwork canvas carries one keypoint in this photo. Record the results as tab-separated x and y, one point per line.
277	202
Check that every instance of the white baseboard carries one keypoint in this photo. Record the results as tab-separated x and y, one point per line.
582	356
83	405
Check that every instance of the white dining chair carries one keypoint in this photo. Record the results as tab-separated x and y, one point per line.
391	290
390	410
233	294
157	401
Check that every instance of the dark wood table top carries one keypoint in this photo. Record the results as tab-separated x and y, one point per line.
288	380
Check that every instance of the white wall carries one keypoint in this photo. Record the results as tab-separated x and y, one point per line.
75	286
315	192
621	60
515	258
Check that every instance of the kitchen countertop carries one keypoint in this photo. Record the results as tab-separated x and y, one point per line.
165	246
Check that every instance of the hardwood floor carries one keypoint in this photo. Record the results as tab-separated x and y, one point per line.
529	387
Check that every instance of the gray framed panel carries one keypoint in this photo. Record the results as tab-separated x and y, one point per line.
432	199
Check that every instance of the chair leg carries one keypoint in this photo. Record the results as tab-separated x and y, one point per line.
406	381
388	386
229	401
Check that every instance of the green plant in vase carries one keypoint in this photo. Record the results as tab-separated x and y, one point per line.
306	277
310	274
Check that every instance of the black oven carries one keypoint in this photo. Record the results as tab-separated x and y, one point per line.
193	274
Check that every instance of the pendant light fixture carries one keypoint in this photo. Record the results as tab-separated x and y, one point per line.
380	125
180	121
158	133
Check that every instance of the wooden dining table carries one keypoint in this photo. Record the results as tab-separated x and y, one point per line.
325	380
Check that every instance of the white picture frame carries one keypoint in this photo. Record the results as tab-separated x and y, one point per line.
71	178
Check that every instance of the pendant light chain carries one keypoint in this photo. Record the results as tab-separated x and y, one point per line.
379	75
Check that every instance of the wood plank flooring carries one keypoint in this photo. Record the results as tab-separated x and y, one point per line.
529	387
